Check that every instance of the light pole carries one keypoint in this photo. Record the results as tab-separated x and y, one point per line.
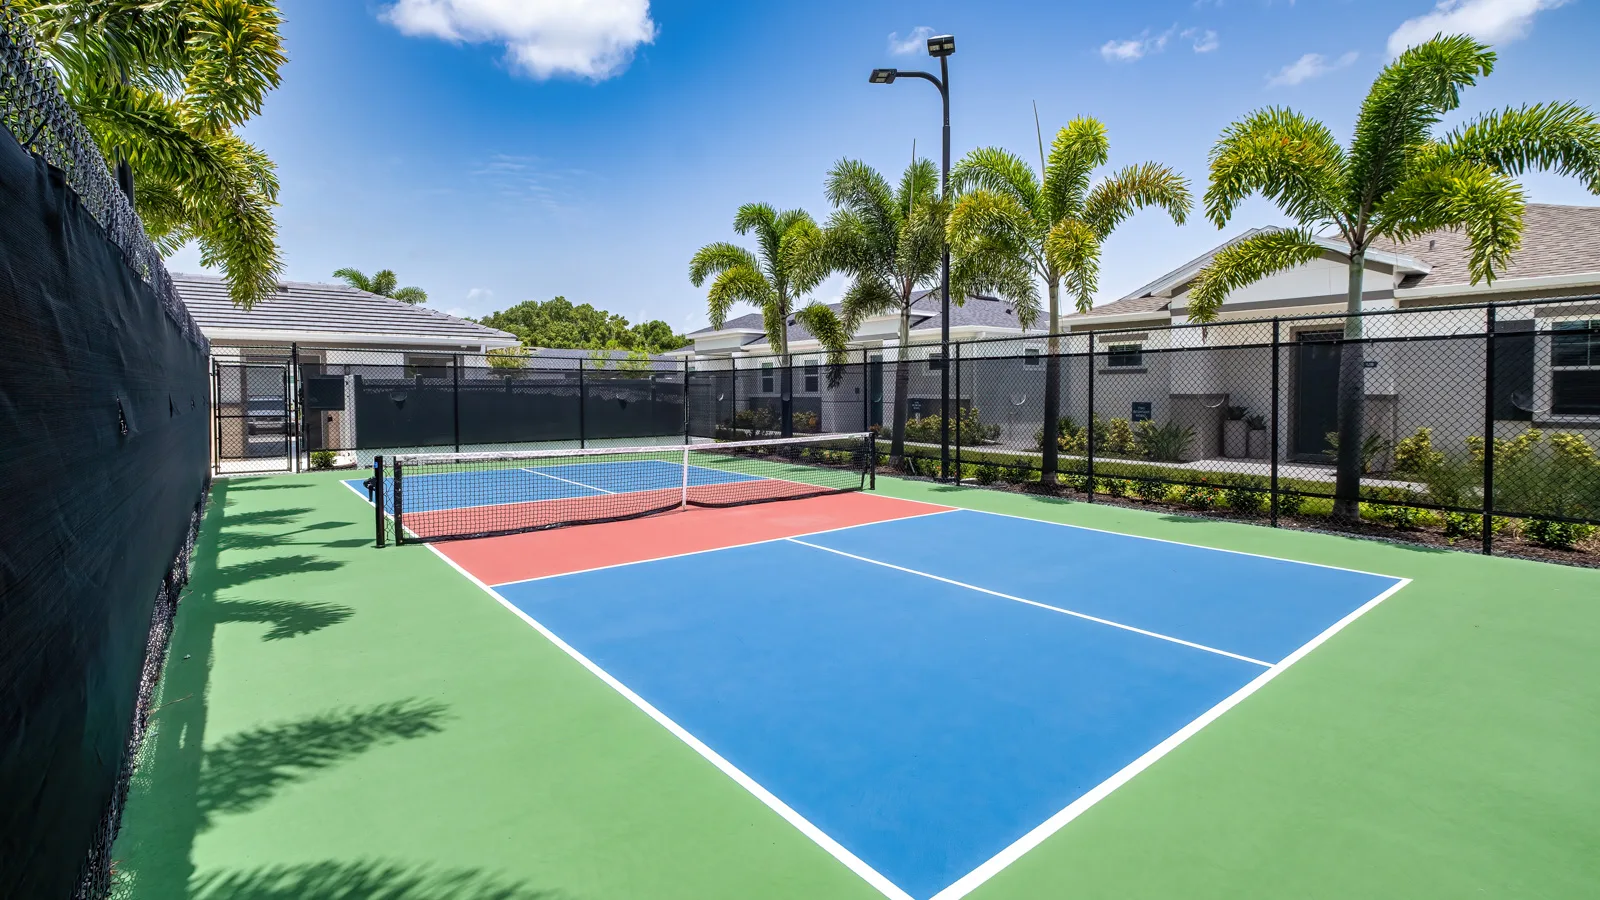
940	47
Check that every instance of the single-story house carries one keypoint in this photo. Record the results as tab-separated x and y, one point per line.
1428	371
325	328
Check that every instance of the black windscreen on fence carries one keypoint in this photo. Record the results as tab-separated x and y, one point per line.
104	423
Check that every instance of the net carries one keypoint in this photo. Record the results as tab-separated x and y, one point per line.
448	496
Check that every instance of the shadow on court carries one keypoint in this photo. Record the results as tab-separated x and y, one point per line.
288	619
364	880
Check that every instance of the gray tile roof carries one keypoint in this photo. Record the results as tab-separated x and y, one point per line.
1556	240
987	312
330	312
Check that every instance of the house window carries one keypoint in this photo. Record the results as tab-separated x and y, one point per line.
767	385
1124	356
936	361
811	381
420	366
1030	357
1575	368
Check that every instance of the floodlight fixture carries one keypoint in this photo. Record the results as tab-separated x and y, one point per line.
884	76
942	45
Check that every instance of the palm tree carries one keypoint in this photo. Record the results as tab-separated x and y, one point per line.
792	260
1397	181
161	87
890	242
1012	227
384	283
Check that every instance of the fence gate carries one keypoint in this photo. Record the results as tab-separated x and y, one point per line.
254	416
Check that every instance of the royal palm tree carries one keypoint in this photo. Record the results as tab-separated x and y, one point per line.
161	86
790	262
1396	181
889	241
1012	227
383	283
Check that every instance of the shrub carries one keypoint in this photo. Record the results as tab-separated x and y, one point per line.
1151	490
1574	449
1115	487
1557	535
1415	455
1507	451
1244	498
1165	443
1372	447
968	430
1399	511
1199	496
1079	483
804	421
323	459
1017	474
1290	502
1460	524
986	473
1119	438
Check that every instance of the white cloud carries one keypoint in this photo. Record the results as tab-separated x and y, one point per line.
1205	40
915	41
459	313
1492	21
479	294
593	39
1312	65
1137	47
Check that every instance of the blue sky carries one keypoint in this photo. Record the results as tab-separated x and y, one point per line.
495	151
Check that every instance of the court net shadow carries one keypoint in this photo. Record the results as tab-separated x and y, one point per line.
246	769
360	880
288	619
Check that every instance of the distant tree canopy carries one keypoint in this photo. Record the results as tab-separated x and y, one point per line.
558	323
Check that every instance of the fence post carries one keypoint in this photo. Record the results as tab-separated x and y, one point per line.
583	403
455	396
686	405
786	397
294	421
1488	431
216	411
377	496
1088	441
1272	449
866	393
733	398
957	430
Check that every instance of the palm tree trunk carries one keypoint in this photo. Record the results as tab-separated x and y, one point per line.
1052	390
1352	398
902	386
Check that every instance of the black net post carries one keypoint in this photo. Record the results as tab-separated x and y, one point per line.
377	496
583	405
1089	432
455	398
872	460
686	399
1272	450
399	503
1488	431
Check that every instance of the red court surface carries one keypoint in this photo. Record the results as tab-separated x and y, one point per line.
519	557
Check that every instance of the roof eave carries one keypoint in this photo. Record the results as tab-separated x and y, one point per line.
1500	286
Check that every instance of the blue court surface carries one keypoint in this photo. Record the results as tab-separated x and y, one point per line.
929	697
527	484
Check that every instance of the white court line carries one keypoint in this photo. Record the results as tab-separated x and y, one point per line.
1142	537
557	478
970	881
635	562
1069	612
820	838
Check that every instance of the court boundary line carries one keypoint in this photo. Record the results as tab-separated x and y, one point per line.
969	882
1144	537
817	836
635	562
546	475
1058	609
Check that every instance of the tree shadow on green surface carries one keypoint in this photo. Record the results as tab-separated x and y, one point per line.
246	769
360	880
236	538
266	485
233	576
288	619
285	516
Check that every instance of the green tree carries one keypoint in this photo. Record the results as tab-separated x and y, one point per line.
792	260
161	86
890	242
1396	181
1012	227
560	324
384	283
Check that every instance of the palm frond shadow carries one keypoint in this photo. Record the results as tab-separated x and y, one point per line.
235	538
283	516
267	486
360	880
243	573
288	619
247	768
